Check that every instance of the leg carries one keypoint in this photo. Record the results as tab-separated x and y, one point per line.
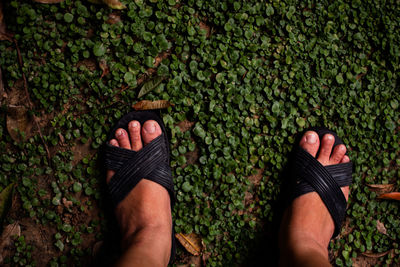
307	225
144	215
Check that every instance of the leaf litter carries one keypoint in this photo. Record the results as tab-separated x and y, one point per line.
191	242
149	105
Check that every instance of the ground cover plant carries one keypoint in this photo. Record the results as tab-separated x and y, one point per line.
244	77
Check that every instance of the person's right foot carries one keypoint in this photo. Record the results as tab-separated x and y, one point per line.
307	219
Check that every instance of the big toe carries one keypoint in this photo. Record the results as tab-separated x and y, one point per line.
310	142
150	130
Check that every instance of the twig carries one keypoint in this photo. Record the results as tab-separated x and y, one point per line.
29	100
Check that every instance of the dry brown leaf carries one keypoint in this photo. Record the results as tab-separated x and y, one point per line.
391	196
8	232
114	4
381	188
375	255
206	28
113	18
104	67
67	203
48	1
147	104
18	121
381	227
191	242
6	238
90	64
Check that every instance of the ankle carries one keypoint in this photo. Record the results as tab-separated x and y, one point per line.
300	241
297	249
159	231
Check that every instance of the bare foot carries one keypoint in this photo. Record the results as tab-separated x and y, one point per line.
146	209
307	222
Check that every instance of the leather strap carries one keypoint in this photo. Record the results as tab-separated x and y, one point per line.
150	163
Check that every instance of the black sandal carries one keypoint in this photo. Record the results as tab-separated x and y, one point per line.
309	175
151	163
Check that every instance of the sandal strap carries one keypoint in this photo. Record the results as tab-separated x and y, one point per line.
341	173
320	179
151	162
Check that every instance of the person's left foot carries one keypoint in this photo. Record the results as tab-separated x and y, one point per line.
147	206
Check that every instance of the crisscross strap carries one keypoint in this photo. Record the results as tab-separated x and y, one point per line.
151	162
341	173
311	176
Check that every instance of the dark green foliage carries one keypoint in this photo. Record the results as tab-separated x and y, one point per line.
249	75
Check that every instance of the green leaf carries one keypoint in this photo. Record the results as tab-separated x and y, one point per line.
301	122
339	78
199	131
276	107
59	244
68	17
150	85
99	49
186	187
129	77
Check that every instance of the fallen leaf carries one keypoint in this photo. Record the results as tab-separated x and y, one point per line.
104	67
205	28
113	18
5	201
114	4
48	1
8	232
380	227
381	188
18	122
375	255
67	203
185	125
150	85
6	238
191	242
391	196
90	64
147	104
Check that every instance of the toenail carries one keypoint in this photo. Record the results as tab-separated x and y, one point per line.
134	124
329	136
311	138
120	133
150	127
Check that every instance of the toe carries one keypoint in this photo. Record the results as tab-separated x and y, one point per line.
134	133
326	148
310	142
345	159
114	142
337	154
150	131
123	138
110	173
